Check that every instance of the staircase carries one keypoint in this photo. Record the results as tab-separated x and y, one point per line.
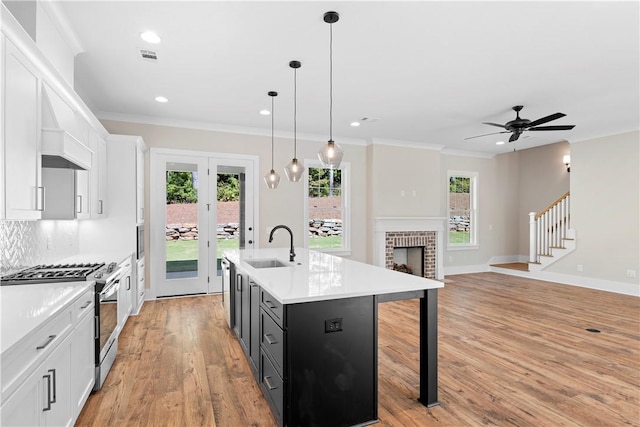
550	234
550	238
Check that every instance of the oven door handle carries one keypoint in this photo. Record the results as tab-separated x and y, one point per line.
110	289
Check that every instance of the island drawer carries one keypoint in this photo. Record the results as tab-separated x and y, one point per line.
273	386
272	340
272	306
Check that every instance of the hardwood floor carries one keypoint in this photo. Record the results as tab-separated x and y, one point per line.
512	351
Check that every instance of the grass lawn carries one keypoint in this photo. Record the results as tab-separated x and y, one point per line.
325	242
180	250
459	237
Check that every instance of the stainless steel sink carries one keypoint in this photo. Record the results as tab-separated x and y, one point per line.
266	263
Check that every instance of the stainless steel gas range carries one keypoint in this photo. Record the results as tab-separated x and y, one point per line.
107	283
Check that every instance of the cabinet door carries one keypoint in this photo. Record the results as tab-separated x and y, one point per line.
83	362
140	214
83	202
101	200
124	297
23	195
24	407
56	386
254	340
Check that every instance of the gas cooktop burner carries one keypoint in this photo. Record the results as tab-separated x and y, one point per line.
51	273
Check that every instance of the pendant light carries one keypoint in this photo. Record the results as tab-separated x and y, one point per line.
272	179
294	169
331	154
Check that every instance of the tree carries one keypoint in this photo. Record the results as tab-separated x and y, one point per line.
459	184
324	182
228	188
180	187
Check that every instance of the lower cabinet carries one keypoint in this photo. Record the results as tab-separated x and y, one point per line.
45	397
62	369
125	294
139	288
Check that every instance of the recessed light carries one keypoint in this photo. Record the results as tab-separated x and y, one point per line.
265	112
355	124
500	143
161	99
150	37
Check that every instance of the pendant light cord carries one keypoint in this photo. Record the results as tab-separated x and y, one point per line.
330	82
272	114
295	111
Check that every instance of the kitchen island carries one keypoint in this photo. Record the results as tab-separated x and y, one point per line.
309	331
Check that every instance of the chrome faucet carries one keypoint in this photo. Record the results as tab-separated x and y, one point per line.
292	254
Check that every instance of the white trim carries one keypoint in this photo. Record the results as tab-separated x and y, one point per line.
408	144
59	20
580	281
219	127
464	153
382	225
345	196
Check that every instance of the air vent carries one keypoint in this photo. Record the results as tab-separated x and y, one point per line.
148	54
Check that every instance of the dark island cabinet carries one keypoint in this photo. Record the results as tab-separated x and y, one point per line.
318	361
246	298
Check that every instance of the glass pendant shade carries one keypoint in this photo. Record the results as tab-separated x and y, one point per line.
272	179
331	155
294	170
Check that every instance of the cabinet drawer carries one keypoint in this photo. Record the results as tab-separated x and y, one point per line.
19	360
84	305
272	386
272	340
272	306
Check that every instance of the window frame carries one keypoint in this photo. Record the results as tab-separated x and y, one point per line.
474	178
345	168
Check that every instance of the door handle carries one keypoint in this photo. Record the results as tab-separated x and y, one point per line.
48	407
40	198
100	207
46	343
79	197
53	373
250	242
268	383
269	339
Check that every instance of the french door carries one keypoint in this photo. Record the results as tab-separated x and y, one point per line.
192	222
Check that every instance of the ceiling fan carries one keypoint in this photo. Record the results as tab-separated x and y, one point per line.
517	126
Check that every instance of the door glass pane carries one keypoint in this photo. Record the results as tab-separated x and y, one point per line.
182	221
229	226
325	208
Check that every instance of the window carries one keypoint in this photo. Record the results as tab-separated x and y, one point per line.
326	207
463	215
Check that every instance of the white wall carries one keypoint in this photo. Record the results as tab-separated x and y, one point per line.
283	205
605	211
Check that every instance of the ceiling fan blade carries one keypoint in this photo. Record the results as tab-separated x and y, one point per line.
486	134
514	137
494	124
546	119
558	127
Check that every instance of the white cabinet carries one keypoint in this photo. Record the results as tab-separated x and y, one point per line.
140	149
44	398
83	197
98	175
66	193
20	142
125	295
83	353
140	286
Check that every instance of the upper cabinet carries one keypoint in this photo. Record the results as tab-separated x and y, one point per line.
140	149
45	125
21	164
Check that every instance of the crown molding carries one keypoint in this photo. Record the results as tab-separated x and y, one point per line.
464	153
60	21
407	144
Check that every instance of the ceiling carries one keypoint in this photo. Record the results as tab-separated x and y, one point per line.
430	72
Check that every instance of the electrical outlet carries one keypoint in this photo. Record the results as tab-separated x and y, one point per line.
631	273
333	325
579	267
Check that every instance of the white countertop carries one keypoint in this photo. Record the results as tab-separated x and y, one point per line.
317	276
25	307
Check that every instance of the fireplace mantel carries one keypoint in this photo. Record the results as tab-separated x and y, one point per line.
383	225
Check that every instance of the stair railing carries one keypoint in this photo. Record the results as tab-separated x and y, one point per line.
549	228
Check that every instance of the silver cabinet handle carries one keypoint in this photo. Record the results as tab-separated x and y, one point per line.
239	282
86	304
128	283
46	343
268	383
270	304
79	197
100	207
269	339
48	407
40	198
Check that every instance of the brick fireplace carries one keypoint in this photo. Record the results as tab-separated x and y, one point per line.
408	232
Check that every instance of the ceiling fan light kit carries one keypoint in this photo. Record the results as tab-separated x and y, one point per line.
519	125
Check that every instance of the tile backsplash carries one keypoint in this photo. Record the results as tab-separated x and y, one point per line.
27	243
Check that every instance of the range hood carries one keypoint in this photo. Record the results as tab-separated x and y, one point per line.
61	127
